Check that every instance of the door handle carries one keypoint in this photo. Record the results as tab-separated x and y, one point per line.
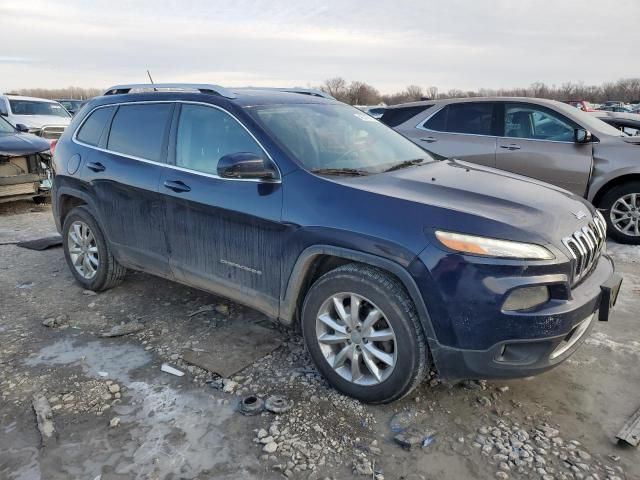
96	166
513	146
429	139
177	186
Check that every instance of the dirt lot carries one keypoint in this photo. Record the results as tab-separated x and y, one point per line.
118	416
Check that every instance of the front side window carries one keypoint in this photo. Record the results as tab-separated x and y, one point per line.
140	130
34	107
92	128
473	118
533	122
205	134
336	137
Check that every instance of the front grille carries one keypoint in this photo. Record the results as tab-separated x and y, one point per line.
585	246
51	132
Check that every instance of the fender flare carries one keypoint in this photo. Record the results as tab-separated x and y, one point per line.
72	192
289	299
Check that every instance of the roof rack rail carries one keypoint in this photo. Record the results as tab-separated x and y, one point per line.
202	88
314	92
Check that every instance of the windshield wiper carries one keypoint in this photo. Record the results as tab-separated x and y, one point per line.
405	164
340	171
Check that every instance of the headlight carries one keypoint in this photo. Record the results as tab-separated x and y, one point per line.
492	247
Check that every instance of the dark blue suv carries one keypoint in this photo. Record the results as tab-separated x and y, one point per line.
389	261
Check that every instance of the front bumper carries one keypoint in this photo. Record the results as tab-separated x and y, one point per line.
476	339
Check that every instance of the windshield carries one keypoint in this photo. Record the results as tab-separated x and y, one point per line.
34	107
337	137
588	121
6	127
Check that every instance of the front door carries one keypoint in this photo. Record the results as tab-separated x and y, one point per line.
539	142
123	169
225	235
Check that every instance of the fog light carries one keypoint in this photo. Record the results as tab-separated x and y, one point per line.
526	298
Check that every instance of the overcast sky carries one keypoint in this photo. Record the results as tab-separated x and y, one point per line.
466	44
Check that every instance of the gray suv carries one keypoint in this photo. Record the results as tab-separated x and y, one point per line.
543	139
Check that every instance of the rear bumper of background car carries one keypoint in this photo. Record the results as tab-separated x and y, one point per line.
525	343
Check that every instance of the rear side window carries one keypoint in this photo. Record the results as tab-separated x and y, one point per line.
139	130
474	118
94	125
206	134
393	117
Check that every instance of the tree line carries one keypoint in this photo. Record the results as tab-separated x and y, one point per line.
361	93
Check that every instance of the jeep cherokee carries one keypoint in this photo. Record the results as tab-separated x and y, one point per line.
389	261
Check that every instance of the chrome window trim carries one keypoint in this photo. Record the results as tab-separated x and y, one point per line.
75	140
420	126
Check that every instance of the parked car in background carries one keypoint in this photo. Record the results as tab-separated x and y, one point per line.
375	111
615	108
24	165
72	106
543	139
581	104
628	123
45	118
322	218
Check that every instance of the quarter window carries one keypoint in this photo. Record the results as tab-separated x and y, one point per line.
529	121
92	128
206	134
139	130
475	118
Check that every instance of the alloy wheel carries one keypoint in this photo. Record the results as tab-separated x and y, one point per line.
625	214
356	339
83	249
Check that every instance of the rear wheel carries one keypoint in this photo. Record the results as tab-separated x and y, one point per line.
87	253
362	330
621	207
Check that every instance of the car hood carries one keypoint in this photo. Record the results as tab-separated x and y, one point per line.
19	144
518	207
39	121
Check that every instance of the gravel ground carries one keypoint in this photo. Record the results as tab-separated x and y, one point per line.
118	416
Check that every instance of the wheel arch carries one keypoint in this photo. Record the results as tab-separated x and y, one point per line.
317	260
66	199
596	198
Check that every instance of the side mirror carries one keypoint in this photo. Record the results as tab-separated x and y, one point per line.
581	135
245	165
22	128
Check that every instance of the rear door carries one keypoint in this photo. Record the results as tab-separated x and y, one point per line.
539	142
225	235
460	130
123	172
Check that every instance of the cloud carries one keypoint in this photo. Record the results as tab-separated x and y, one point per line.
453	44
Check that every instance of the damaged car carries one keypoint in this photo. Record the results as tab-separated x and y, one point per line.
24	165
390	262
39	116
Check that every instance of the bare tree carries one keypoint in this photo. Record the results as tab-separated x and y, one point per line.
53	93
336	87
360	93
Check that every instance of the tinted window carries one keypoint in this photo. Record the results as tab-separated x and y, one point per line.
139	130
206	134
531	121
471	118
92	128
396	116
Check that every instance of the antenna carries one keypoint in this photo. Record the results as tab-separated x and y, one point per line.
151	79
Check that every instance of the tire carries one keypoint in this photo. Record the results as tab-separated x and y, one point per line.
615	199
374	290
107	272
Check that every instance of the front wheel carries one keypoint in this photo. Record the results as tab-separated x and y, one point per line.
621	209
362	331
